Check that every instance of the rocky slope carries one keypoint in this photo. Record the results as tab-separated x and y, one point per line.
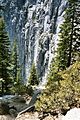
73	114
35	24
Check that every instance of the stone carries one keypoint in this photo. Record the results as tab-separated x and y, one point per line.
6	117
73	114
50	117
4	108
13	112
28	116
12	105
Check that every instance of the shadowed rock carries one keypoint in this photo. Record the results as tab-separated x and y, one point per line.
4	108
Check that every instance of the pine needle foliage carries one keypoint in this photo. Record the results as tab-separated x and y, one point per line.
4	57
33	79
69	37
15	62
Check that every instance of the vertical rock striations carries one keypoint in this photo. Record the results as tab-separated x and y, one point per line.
35	23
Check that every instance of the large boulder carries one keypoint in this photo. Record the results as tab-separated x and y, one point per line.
11	104
73	114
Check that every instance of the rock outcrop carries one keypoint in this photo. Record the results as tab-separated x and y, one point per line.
12	105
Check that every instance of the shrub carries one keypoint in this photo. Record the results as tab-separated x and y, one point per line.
63	93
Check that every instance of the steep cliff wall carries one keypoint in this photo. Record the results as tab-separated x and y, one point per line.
35	23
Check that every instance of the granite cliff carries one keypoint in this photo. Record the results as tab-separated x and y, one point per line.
35	24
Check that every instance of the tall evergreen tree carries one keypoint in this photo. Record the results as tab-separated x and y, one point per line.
4	56
69	41
33	79
15	62
68	46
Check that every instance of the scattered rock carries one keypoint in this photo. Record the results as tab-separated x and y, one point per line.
50	117
6	117
28	116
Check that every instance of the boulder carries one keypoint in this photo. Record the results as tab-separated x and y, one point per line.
73	114
4	108
13	112
11	104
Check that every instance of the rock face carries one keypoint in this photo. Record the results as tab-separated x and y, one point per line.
35	24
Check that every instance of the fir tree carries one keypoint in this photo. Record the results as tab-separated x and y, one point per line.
4	57
68	46
33	79
69	41
15	62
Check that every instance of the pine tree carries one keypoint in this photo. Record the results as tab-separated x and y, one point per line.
4	56
33	79
15	62
68	46
69	42
14	59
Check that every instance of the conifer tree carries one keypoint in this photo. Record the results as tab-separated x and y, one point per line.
33	79
4	57
15	62
69	41
68	46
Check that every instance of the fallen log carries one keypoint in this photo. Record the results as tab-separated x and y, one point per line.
30	108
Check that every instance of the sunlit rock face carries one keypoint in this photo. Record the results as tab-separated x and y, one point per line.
35	24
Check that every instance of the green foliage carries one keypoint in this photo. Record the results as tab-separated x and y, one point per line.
21	89
15	62
33	79
63	88
64	95
29	90
52	75
4	57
